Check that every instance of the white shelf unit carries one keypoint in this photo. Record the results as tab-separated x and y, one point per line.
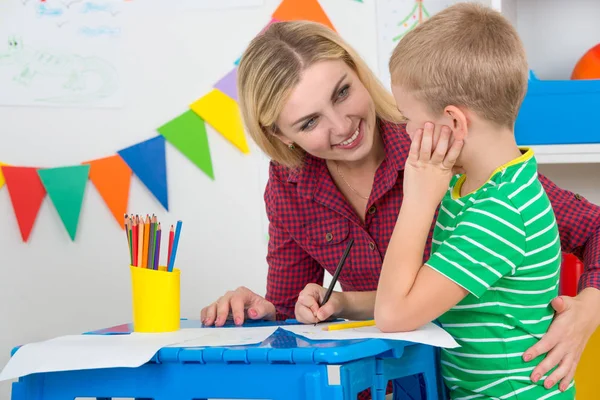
556	33
567	154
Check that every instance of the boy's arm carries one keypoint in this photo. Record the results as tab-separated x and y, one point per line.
411	294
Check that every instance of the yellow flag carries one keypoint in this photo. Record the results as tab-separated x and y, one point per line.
223	114
2	181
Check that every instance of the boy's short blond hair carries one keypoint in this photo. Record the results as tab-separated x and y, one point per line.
466	55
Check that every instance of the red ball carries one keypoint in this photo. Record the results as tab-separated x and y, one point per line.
588	66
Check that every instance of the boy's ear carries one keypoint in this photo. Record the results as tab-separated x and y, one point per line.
459	122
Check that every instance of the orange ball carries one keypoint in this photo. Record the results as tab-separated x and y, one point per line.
588	66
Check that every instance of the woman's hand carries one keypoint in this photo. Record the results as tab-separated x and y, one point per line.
242	303
428	169
575	321
308	309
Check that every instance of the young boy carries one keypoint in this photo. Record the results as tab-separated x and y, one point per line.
495	260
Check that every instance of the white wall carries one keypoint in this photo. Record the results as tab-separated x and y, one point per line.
52	286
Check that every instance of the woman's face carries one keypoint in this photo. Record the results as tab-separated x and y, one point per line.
329	114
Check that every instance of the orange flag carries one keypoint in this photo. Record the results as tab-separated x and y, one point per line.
292	10
112	178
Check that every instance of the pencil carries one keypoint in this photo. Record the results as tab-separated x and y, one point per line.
134	234
170	250
174	250
337	273
157	247
140	249
146	242
349	325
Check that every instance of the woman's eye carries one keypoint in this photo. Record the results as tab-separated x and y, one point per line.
309	124
344	92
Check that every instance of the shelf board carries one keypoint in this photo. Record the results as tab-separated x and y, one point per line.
567	153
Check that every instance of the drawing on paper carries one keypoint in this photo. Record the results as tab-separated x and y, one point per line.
395	18
71	78
417	16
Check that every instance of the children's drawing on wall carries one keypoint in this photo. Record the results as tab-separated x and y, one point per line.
61	53
395	18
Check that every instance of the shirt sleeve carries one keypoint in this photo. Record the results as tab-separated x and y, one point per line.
579	226
290	267
487	244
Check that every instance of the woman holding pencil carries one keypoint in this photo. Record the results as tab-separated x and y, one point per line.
338	148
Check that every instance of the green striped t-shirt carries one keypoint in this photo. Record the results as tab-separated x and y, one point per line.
501	243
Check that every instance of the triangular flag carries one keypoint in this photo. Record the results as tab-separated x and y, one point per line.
293	10
188	134
228	84
2	181
66	187
112	178
26	194
223	114
147	160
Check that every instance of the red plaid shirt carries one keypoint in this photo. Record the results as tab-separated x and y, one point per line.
311	222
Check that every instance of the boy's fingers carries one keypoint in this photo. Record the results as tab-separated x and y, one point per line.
426	142
453	153
415	145
442	146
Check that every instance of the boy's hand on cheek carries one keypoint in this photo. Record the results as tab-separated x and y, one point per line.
428	169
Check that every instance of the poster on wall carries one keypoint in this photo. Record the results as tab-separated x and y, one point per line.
216	5
61	53
395	18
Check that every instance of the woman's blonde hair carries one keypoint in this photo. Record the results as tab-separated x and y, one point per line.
271	67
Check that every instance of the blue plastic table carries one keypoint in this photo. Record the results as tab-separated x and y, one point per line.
284	366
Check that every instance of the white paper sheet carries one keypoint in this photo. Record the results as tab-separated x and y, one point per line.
429	334
77	352
234	336
395	18
61	53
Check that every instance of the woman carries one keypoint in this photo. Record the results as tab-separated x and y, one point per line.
338	150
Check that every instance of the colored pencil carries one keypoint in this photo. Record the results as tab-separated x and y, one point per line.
140	249
349	325
157	247
146	242
171	263
134	233
171	235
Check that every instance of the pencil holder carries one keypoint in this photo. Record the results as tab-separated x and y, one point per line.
156	299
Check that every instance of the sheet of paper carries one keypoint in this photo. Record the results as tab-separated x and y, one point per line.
61	53
395	18
77	352
234	336
429	334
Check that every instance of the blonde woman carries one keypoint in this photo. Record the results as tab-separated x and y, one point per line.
338	148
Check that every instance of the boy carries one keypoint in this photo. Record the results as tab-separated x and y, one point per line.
496	254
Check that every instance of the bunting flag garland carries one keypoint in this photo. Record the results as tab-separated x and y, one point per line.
2	181
147	160
112	178
26	194
66	187
223	114
187	133
293	10
28	186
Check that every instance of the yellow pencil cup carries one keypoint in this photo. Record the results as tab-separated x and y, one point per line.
156	299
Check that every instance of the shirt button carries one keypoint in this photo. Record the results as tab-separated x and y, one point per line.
372	210
329	236
372	245
577	196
